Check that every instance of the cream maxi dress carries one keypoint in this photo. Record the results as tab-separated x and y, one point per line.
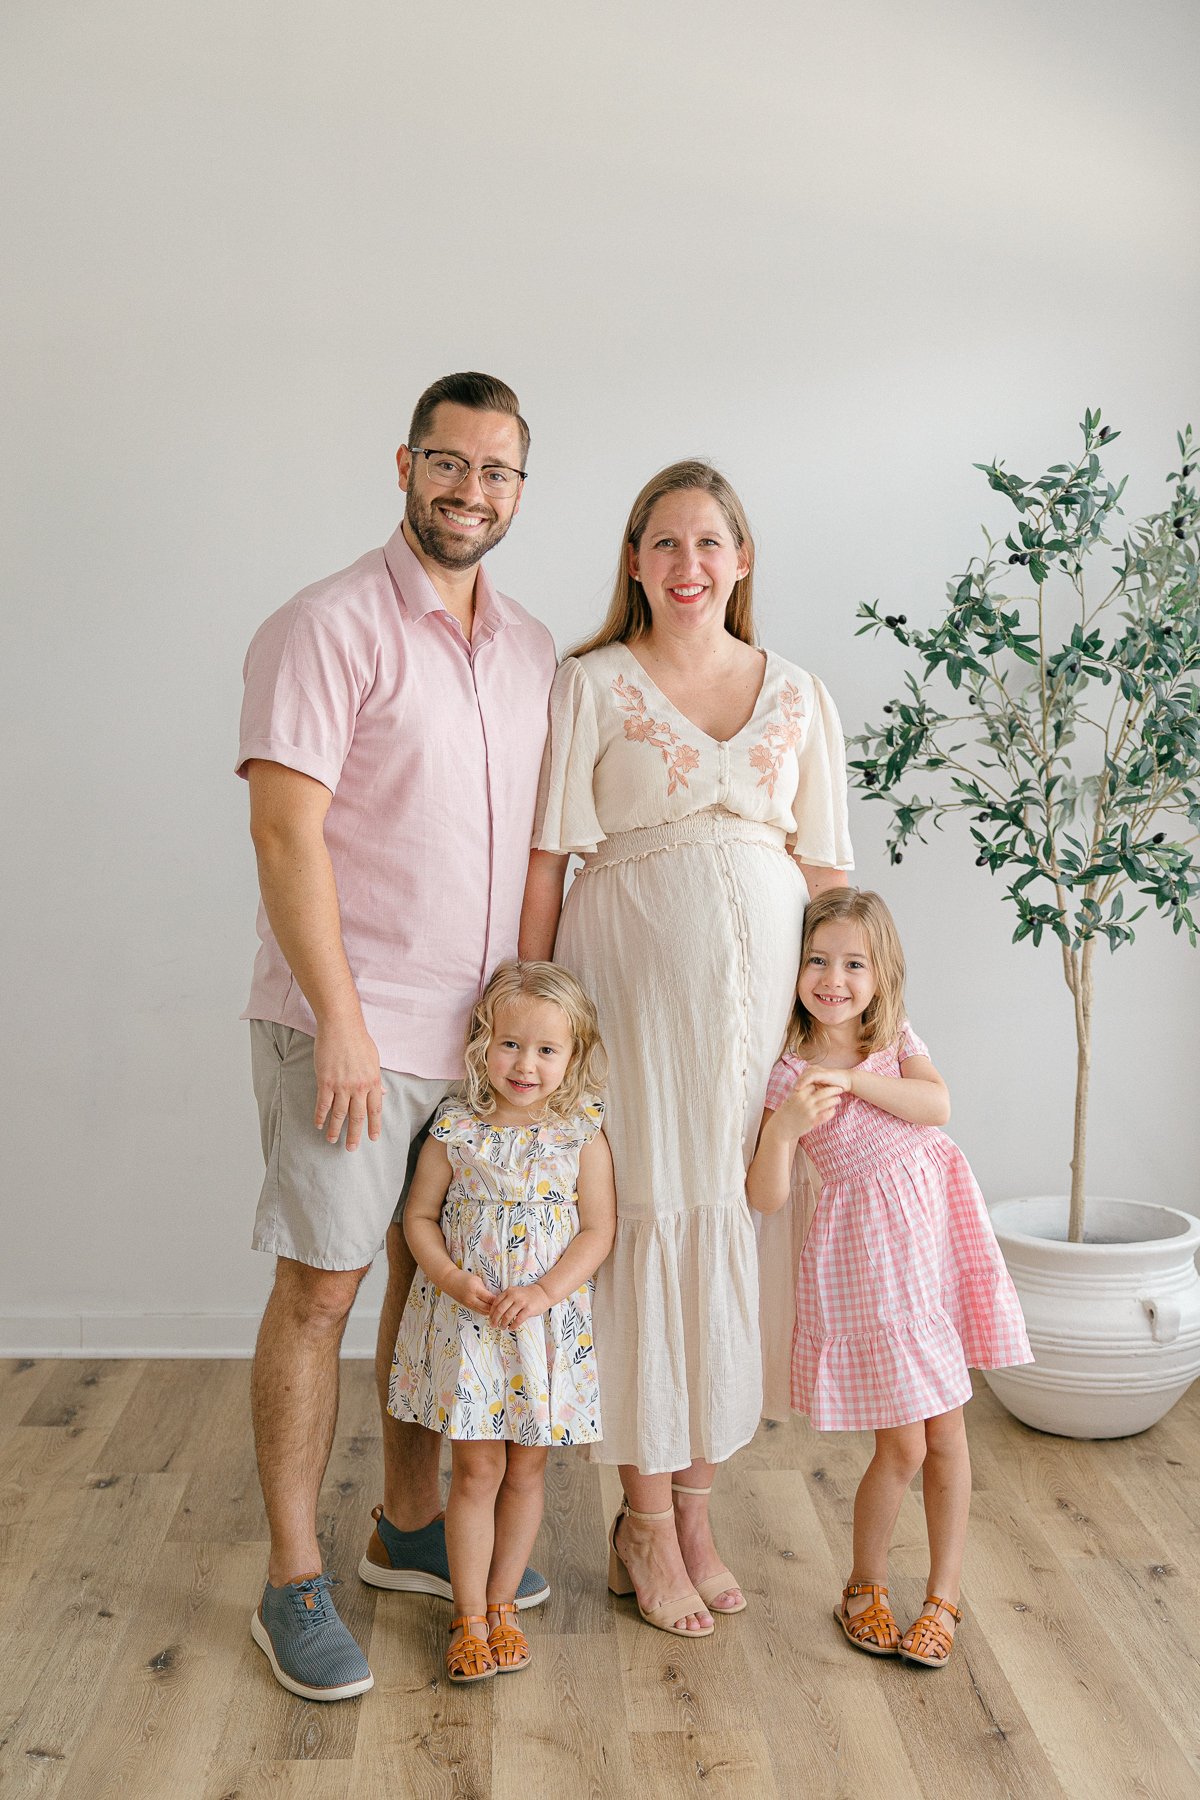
684	926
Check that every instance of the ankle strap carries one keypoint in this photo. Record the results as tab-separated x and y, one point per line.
630	1512
677	1487
955	1614
467	1620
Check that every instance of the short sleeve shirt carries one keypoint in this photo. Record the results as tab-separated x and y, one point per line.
431	748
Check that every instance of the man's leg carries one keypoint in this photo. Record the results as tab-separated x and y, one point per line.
411	1497
294	1398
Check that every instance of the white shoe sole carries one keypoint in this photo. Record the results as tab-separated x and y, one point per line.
416	1581
347	1691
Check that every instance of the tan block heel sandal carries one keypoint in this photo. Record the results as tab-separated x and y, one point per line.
621	1582
874	1629
724	1579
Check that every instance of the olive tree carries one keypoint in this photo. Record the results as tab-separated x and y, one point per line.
1063	719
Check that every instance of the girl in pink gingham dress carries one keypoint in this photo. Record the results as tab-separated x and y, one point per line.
901	1283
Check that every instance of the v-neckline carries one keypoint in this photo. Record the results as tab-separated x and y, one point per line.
721	743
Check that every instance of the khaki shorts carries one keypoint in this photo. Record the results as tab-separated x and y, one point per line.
320	1203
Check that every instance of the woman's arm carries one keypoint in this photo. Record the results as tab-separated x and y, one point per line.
769	1177
817	879
541	907
597	1200
920	1096
422	1228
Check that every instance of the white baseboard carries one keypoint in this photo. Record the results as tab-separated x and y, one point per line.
152	1334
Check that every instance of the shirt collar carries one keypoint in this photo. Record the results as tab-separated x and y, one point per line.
418	595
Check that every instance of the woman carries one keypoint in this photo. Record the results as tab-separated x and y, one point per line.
703	782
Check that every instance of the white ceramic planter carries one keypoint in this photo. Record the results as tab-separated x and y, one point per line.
1114	1322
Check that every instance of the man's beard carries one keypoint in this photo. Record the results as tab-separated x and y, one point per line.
452	552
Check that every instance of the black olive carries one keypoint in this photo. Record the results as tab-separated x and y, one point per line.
1023	559
1179	531
887	709
1015	557
1188	469
890	619
972	700
1104	433
896	856
981	818
1158	837
900	619
1166	631
979	861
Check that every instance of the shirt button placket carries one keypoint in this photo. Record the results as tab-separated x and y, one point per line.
722	773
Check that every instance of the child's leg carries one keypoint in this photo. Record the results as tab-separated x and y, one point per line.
478	1470
899	1453
947	1491
518	1514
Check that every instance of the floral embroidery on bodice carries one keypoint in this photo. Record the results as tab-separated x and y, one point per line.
640	728
781	735
622	756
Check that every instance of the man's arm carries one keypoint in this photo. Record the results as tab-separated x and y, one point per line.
295	877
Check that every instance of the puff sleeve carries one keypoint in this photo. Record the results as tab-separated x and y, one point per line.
910	1044
565	821
822	822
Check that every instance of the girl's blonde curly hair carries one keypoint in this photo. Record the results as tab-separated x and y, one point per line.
587	1070
880	1024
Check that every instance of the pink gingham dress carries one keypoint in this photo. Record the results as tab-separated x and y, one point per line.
901	1283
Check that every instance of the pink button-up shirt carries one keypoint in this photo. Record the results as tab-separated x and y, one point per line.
431	747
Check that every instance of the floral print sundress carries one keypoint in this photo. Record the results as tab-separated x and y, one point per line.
510	1212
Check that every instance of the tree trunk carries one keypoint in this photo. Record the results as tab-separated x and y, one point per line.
1082	989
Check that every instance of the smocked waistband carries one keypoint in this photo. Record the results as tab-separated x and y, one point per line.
711	826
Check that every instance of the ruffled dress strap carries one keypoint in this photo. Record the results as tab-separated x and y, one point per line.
454	1121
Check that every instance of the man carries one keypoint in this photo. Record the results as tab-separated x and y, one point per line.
392	734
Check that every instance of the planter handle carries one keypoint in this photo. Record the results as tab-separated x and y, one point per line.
1163	1316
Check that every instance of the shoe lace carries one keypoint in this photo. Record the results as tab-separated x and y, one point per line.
312	1603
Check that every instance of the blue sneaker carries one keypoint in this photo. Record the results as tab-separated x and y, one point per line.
310	1651
415	1562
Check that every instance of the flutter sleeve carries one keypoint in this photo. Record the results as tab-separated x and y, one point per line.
451	1121
784	1077
565	821
910	1044
822	820
591	1119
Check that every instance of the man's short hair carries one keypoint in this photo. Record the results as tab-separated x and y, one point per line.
482	393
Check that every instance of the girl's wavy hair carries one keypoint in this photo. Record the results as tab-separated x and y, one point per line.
881	1021
629	614
587	1070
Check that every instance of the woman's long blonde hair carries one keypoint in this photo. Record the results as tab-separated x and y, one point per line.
881	1021
587	1070
629	610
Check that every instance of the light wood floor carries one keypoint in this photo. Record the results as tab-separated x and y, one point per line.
131	1553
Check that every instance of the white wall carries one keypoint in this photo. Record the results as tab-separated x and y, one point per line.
847	251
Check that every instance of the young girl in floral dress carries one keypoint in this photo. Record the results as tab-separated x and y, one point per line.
901	1283
511	1211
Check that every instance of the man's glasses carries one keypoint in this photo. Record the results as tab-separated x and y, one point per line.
447	471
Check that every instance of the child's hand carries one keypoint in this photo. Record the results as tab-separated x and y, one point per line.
516	1304
812	1101
472	1292
842	1079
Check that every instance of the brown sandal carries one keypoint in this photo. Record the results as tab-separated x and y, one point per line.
874	1629
469	1659
507	1643
927	1641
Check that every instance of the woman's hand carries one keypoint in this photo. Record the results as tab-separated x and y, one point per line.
812	1101
516	1304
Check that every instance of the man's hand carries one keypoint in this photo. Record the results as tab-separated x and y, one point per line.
516	1304
349	1084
